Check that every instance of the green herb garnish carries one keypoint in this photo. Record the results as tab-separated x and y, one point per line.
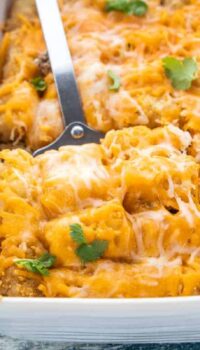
39	84
87	252
116	82
181	73
77	234
93	251
131	7
39	265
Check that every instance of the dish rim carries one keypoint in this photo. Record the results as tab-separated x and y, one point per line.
112	301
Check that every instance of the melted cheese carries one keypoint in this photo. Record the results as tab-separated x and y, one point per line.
144	204
138	189
130	46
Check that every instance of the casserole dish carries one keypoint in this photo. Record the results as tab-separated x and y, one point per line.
107	320
165	320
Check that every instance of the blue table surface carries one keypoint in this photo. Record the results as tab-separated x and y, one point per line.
17	344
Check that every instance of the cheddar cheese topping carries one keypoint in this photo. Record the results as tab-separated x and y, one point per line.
119	219
137	193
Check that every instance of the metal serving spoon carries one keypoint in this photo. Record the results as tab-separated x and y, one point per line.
76	132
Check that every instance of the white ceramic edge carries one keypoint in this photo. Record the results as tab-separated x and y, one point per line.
105	301
155	320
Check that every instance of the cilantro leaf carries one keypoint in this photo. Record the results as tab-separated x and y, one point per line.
181	73
93	251
47	260
116	82
77	234
87	251
130	7
138	8
117	5
39	265
39	84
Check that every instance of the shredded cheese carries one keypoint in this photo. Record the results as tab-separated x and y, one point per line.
138	189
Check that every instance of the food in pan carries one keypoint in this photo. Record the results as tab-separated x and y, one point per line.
106	45
120	219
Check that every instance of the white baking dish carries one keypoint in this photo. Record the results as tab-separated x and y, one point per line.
100	320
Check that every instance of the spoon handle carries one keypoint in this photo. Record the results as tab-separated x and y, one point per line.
61	61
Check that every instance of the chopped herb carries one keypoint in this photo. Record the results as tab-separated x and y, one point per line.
181	73
77	234
116	82
131	7
39	265
39	84
93	251
87	252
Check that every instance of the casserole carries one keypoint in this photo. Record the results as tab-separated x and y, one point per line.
122	311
